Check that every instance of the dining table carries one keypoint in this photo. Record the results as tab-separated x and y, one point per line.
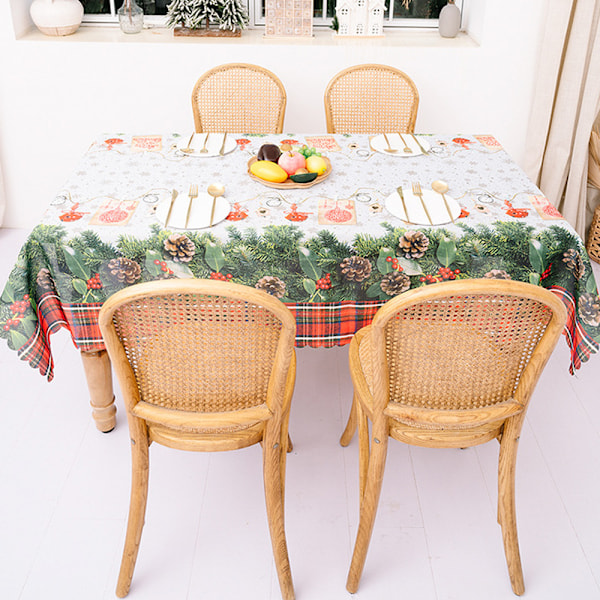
390	213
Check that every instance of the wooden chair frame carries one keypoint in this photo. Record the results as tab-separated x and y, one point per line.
224	90
362	99
437	428
266	423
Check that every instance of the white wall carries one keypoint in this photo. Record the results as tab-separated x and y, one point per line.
57	94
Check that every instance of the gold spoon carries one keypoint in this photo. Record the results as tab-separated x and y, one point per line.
389	148
215	190
441	187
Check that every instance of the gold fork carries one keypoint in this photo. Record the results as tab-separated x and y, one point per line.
417	191
204	148
407	149
192	194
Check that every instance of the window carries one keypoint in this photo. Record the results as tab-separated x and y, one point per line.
105	11
398	13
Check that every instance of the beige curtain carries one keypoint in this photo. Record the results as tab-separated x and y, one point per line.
565	105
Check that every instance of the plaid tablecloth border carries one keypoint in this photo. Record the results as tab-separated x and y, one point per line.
318	325
582	346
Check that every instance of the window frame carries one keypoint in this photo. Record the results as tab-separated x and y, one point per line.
256	21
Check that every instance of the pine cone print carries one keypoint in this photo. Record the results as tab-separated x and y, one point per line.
414	244
497	274
589	309
574	263
180	247
44	280
271	285
395	283
356	268
124	270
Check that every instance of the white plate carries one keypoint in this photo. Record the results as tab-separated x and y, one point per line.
199	214
213	145
399	142
416	213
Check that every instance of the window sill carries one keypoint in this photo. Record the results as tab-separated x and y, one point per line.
420	38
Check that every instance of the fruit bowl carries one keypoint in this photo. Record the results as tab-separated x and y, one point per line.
288	184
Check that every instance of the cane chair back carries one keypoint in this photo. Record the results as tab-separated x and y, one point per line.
451	365
371	99
239	98
206	366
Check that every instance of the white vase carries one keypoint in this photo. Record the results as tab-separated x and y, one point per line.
56	17
449	21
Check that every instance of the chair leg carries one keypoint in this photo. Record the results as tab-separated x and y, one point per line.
274	472
351	425
507	516
368	506
363	447
137	511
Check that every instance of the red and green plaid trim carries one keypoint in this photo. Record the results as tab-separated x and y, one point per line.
323	325
581	344
37	351
83	323
318	325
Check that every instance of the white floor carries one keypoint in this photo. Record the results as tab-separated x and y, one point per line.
65	486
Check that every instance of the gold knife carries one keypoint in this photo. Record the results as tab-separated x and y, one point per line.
418	143
401	194
222	150
173	196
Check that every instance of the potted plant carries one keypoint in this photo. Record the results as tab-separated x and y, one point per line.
214	18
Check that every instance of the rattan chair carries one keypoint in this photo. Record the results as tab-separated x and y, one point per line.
371	99
239	98
205	366
450	365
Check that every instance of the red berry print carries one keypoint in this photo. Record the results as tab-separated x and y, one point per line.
220	276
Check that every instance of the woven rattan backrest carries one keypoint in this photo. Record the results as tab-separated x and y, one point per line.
239	98
196	346
371	99
465	344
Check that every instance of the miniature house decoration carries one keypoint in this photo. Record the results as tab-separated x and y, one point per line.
360	17
285	18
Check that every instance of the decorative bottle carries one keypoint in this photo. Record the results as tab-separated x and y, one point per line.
449	21
131	17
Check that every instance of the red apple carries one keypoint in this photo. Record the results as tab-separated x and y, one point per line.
291	161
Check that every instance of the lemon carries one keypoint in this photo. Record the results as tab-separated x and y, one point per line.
316	164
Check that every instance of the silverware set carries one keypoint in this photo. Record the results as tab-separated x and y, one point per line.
215	190
438	186
407	149
204	150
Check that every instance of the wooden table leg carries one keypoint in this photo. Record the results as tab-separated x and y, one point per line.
99	379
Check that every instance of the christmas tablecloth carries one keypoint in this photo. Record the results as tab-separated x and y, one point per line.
332	252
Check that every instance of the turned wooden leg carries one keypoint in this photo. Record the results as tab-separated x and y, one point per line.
99	379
